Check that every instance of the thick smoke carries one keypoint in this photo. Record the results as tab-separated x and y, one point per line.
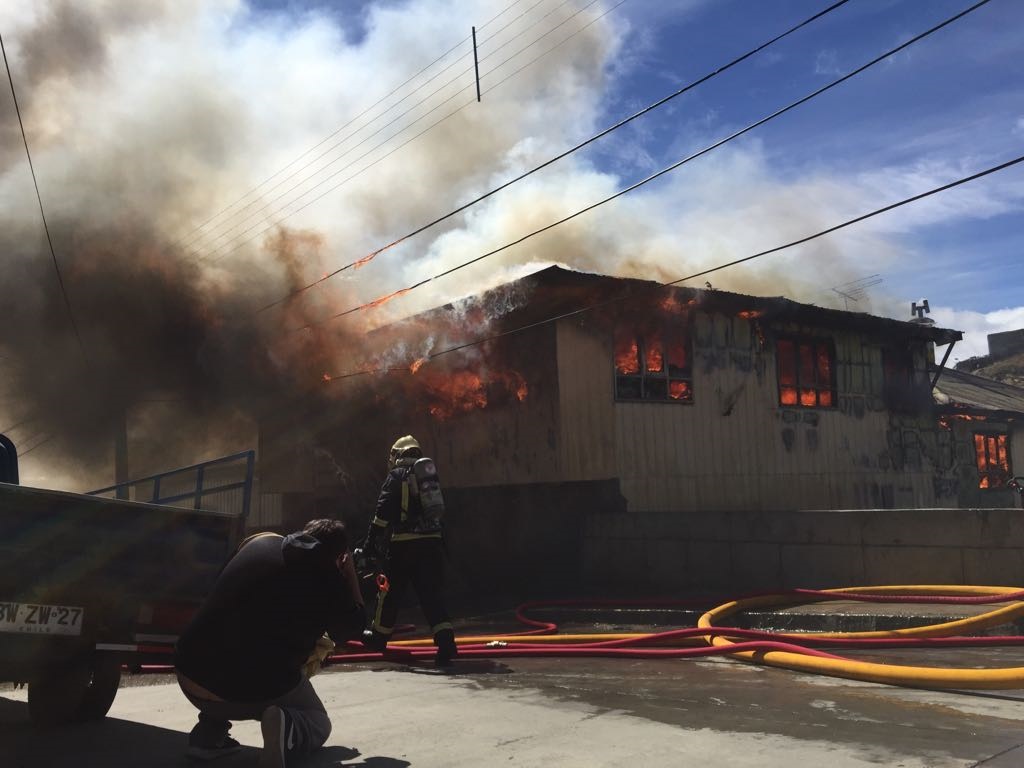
144	122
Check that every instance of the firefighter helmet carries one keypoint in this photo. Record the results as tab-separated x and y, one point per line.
407	447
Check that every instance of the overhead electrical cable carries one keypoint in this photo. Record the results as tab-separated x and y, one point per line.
231	239
42	212
402	291
556	158
40	444
23	422
188	237
628	294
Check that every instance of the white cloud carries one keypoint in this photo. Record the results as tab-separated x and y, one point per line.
976	327
827	63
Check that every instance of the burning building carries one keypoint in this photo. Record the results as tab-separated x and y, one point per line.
615	414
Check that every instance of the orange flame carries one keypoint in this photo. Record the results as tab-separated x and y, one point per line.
461	392
750	314
385	299
417	364
627	358
327	378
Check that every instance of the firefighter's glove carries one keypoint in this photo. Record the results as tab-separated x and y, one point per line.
324	647
366	562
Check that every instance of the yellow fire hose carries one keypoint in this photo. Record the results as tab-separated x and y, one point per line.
891	674
911	676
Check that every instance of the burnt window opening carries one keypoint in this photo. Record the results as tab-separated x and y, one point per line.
806	373
992	455
902	389
897	367
653	364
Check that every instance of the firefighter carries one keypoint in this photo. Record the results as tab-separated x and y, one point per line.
404	537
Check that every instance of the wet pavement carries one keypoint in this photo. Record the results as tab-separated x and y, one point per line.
578	712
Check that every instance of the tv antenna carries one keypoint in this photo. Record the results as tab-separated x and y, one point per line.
856	289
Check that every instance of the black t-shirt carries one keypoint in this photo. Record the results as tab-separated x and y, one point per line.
261	620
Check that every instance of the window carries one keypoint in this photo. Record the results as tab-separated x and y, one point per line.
898	368
653	364
902	389
806	373
993	458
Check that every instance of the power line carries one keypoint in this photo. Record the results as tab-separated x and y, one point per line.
383	299
21	423
241	236
556	158
628	293
41	443
227	228
42	213
187	238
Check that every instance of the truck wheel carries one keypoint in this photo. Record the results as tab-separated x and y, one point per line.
56	693
79	690
106	677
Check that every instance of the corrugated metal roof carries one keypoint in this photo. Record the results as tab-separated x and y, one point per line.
956	388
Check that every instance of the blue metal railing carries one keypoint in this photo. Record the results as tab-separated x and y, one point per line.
199	489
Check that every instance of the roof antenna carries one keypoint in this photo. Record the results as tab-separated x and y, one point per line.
919	311
855	289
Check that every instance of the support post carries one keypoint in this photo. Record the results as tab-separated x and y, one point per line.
476	66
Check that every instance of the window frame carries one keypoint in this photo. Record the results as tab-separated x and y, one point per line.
992	469
669	331
815	343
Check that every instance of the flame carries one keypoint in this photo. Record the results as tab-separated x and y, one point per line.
449	394
365	260
519	384
417	364
385	299
627	358
461	392
655	359
327	378
672	305
680	390
750	314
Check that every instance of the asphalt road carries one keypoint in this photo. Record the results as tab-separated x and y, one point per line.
579	712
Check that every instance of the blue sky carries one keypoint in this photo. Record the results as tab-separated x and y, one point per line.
956	98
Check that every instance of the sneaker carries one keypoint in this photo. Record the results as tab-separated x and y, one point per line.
205	753
278	737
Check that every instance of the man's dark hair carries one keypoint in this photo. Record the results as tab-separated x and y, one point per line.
330	533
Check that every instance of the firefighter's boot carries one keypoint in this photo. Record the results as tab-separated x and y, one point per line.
374	641
446	648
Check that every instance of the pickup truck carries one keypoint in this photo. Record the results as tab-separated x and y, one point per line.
90	584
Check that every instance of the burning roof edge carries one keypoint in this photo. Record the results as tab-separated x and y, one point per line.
606	289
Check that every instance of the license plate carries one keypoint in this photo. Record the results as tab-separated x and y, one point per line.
29	618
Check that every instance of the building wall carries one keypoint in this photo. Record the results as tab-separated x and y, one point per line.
508	441
734	447
743	550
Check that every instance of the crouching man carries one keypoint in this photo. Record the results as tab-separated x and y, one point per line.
242	656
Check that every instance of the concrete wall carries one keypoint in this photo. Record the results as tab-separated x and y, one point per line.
680	553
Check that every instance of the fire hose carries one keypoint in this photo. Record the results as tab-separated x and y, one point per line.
797	651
